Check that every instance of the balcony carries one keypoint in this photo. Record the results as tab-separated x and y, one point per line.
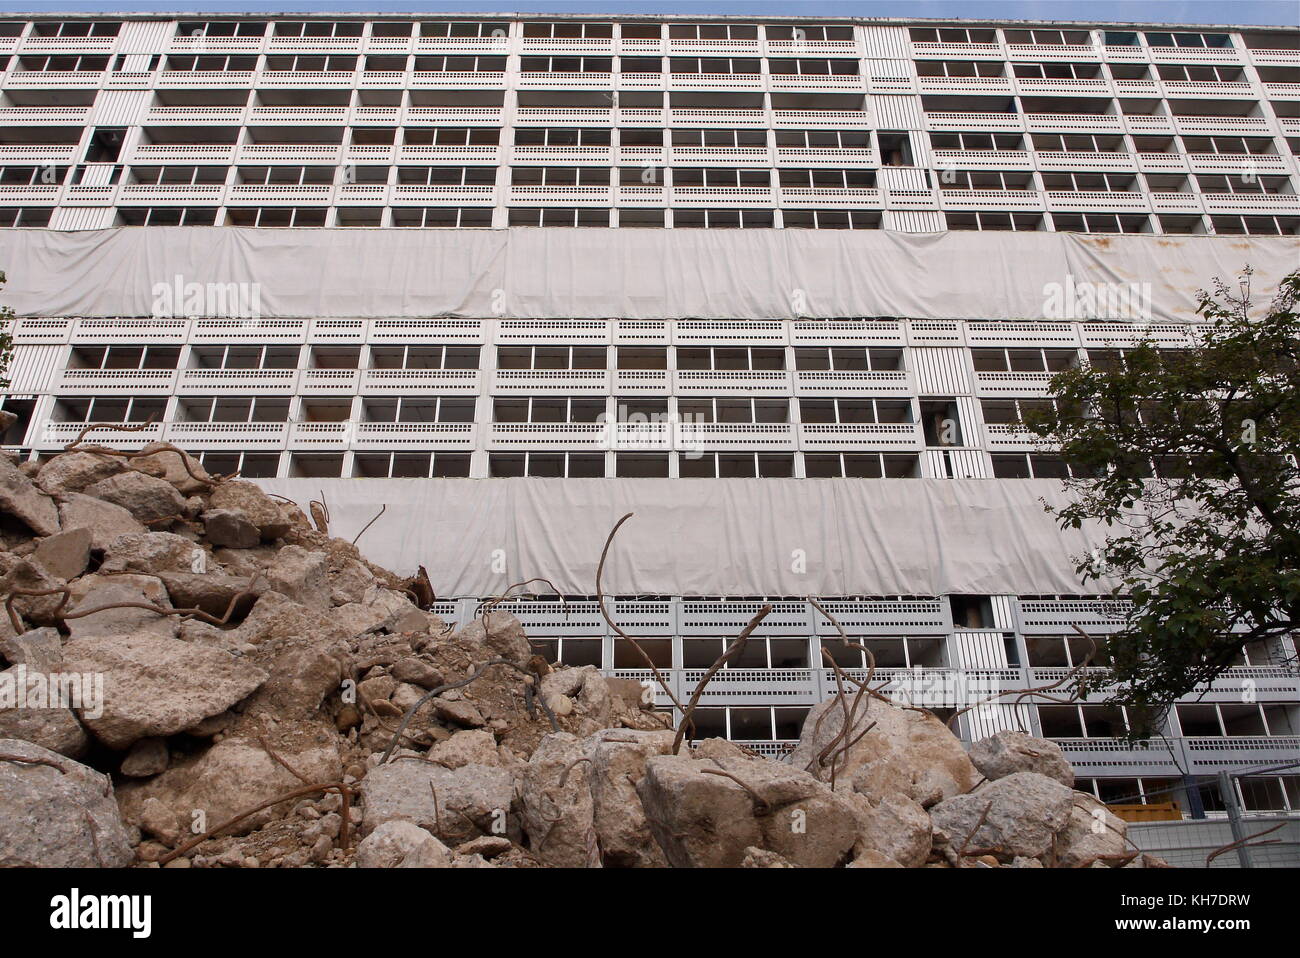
561	154
728	333
33	193
822	83
44	115
648	195
982	160
821	119
1084	160
35	45
567	46
826	156
38	153
857	197
858	436
383	382
974	122
173	79
1034	86
957	51
1012	383
1235	164
292	115
896	198
227	435
847	332
715	81
457	80
1204	88
1195	55
448	154
734	435
642	382
47	331
328	382
1053	51
732	382
131	331
1282	91
722	195
1156	757
990	199
1247	203
1142	88
116	381
1011	333
456	115
413	435
183	153
720	154
1145	123
683	47
463	46
1240	752
1229	125
561	195
552	435
289	152
1162	163
1175	203
248	330
62	79
641	436
759	686
259	381
185	43
964	84
690	117
566	81
1090	201
439	195
514	382
564	116
1012	436
642	156
195	115
1073	123
426	330
1275	58
640	81
804	48
148	194
133	435
312	79
280	195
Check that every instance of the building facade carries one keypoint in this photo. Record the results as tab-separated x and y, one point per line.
402	124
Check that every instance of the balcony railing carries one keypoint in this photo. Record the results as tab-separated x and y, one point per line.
845	436
732	382
553	381
731	435
1013	383
376	382
92	381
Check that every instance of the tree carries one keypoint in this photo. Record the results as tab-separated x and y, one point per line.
1187	457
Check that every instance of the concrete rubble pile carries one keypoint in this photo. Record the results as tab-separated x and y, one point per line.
256	669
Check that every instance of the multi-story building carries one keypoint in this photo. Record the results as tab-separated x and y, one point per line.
413	143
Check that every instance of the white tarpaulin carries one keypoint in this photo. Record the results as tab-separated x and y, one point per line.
712	536
624	273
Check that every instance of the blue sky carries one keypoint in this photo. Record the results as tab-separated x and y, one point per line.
1170	11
